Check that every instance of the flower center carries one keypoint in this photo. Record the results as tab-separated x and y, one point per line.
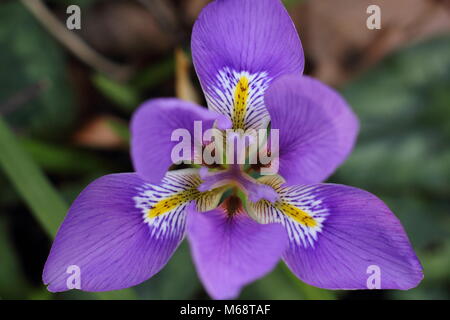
232	205
234	176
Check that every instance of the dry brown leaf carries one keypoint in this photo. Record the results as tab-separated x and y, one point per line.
192	8
338	44
126	29
98	133
183	85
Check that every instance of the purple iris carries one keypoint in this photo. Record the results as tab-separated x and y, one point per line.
123	228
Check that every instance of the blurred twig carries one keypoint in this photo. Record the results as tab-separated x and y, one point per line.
74	43
22	97
390	36
183	84
168	18
163	13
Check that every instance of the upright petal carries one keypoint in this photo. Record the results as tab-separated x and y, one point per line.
238	48
317	128
119	232
152	128
341	236
231	251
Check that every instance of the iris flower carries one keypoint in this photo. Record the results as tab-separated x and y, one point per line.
123	228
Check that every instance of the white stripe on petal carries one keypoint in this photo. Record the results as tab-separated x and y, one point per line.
298	210
164	206
222	98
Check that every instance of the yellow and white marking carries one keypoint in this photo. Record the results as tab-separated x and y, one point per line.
240	96
164	207
297	209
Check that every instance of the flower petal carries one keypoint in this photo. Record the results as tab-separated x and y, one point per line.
152	128
232	251
339	235
121	230
105	236
238	48
317	128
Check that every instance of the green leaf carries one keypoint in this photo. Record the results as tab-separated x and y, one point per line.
178	279
403	90
13	285
36	190
402	154
63	160
291	3
31	57
125	97
405	123
154	75
120	128
281	284
30	182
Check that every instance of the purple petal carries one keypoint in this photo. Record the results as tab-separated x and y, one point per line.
317	128
152	127
244	42
356	234
105	236
232	251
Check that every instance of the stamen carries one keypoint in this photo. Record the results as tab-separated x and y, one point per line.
255	190
212	180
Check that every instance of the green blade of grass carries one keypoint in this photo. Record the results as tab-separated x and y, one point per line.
38	193
30	182
125	97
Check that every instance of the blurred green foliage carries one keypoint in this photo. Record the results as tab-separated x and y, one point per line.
403	153
44	201
29	57
403	156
